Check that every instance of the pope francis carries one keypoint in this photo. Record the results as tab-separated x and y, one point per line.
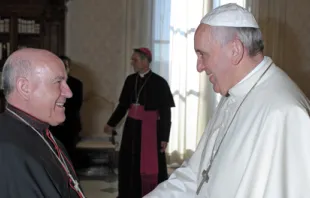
257	144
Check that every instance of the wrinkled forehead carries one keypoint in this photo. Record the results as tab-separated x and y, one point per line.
203	32
203	37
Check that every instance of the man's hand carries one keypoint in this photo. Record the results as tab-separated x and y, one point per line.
108	129
163	146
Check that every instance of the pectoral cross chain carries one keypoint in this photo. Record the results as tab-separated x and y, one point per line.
205	178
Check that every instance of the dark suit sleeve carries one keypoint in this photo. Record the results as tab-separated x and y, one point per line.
23	177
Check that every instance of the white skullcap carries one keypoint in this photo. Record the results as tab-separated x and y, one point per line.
230	15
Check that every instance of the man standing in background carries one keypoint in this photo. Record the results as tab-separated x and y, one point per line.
148	99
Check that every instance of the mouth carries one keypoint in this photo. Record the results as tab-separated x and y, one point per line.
211	78
209	73
60	104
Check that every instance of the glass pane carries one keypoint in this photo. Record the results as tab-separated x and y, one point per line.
160	63
161	19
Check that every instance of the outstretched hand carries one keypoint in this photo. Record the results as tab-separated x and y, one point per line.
108	129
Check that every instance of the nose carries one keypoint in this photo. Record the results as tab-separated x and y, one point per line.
200	66
66	91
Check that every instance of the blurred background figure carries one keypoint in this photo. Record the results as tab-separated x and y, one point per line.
148	100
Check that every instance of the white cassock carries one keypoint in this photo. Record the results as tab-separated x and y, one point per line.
266	150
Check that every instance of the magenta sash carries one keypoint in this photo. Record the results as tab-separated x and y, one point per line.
148	155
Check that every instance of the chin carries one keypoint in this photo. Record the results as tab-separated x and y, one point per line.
216	89
57	122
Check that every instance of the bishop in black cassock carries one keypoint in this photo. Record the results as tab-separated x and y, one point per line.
33	164
147	99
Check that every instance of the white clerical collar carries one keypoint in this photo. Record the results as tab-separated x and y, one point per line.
247	82
143	74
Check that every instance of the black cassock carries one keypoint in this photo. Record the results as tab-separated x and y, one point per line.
28	168
154	95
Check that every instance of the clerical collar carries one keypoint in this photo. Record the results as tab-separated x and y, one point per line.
37	124
143	74
246	84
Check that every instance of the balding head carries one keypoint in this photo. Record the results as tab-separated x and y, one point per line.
34	80
22	64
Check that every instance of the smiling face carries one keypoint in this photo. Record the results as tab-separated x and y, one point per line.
214	59
49	91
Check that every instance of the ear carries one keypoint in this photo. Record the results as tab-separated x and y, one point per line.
237	51
23	87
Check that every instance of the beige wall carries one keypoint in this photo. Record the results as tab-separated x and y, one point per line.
95	41
286	29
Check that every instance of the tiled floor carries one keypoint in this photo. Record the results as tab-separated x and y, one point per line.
99	189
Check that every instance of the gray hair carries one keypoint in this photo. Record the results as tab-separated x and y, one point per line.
12	69
250	37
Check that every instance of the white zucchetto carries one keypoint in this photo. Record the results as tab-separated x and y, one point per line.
230	15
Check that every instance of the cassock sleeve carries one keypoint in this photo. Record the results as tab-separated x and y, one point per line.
280	167
166	98
122	107
183	181
117	115
166	102
21	176
164	124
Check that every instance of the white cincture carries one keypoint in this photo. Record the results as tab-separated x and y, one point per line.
61	161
